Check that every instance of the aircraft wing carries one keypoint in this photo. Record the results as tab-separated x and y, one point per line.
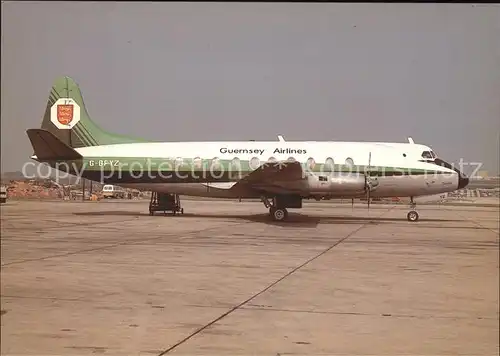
270	172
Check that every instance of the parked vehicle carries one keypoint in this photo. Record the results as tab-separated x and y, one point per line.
112	191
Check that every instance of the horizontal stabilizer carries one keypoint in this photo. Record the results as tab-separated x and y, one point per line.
48	147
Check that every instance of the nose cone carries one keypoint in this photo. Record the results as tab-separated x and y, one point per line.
463	181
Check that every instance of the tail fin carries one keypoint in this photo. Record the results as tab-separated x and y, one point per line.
67	118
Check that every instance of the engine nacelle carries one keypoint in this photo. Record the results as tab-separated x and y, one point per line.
337	183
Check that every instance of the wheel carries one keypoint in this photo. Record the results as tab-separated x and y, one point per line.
278	214
412	216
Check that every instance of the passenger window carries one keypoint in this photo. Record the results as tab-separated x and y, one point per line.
292	159
235	163
271	159
215	163
329	164
310	163
254	163
197	162
178	162
349	161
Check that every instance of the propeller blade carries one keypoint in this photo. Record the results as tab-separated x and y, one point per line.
368	179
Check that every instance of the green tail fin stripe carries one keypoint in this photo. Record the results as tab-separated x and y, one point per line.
80	131
85	137
52	98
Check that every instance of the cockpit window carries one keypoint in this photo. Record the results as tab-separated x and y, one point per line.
427	155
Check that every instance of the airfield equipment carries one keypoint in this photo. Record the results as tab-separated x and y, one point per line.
165	202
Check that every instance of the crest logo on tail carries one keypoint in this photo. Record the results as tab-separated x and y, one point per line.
65	113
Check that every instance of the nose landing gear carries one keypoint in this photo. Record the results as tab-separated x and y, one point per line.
412	215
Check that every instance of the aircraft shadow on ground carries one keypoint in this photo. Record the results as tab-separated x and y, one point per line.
294	219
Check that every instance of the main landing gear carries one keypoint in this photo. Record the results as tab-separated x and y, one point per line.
278	204
412	215
278	214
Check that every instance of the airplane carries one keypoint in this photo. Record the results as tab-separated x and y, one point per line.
279	173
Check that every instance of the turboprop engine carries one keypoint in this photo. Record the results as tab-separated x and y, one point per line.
332	184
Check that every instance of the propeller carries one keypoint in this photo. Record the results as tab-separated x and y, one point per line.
368	179
371	184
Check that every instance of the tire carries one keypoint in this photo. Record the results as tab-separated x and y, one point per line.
412	216
278	214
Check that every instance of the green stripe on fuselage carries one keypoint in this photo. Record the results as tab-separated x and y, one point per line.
137	164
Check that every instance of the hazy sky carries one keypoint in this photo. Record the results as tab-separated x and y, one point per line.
240	71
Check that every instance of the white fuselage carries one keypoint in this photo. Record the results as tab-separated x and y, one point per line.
382	154
405	156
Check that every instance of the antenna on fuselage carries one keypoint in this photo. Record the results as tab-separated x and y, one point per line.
280	138
410	140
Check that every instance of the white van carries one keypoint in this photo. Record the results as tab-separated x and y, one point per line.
111	191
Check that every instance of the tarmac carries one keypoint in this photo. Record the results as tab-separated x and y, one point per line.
105	278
